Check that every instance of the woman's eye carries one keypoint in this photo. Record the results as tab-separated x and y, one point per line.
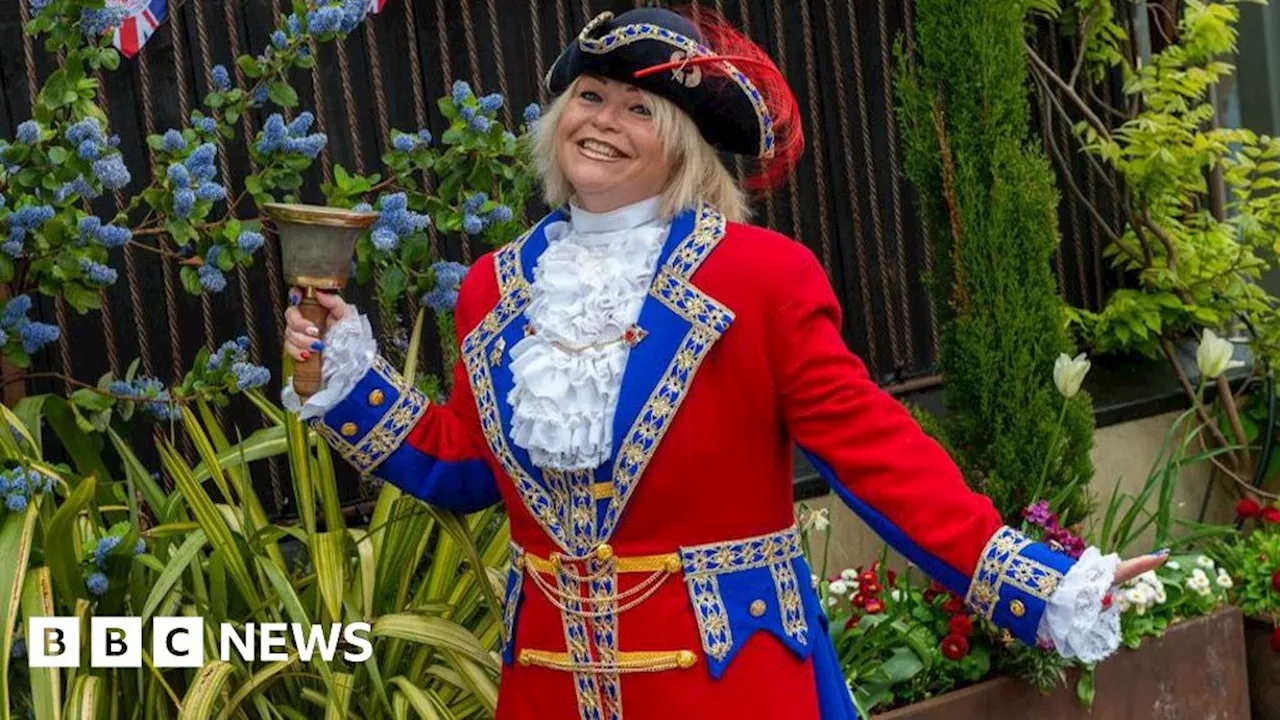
589	95
640	110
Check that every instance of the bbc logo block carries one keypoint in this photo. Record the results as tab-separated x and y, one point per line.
180	641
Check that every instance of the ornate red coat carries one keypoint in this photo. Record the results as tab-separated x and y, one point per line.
669	582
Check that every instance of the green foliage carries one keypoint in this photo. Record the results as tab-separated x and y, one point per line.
990	199
1253	560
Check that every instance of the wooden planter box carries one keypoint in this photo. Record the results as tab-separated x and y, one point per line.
1264	670
1195	670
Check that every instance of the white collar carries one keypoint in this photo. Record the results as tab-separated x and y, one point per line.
627	217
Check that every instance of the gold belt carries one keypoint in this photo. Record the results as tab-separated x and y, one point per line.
665	562
638	661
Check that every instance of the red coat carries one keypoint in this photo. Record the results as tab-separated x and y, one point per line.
741	360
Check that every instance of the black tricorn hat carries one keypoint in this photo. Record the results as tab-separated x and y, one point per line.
735	94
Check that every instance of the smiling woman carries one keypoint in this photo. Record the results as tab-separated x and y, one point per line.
637	370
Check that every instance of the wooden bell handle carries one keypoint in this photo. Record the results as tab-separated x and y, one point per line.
307	379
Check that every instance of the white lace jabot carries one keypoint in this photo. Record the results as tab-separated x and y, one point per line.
588	288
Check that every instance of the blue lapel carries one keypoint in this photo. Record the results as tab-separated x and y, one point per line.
682	324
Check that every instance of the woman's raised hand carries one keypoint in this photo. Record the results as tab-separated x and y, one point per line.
301	336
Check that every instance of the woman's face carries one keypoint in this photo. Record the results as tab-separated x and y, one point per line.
608	147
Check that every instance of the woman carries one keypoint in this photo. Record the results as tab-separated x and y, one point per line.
636	371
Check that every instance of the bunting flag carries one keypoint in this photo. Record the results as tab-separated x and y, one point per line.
375	6
144	16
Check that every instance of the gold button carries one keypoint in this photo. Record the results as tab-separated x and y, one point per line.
604	551
349	429
686	658
757	608
673	565
376	397
525	659
1017	608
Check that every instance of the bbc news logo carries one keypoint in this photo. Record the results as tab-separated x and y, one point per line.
178	642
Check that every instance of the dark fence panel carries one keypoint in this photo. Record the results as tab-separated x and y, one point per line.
847	200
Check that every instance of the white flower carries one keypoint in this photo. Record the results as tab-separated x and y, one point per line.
821	520
838	587
1204	591
831	601
1213	357
1173	565
1068	373
1199	582
895	594
1136	597
1224	580
1204	562
853	587
1161	597
1198	574
848	574
1122	602
813	580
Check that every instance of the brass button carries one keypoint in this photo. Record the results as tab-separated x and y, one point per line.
685	659
757	608
604	551
376	397
1017	608
349	429
673	565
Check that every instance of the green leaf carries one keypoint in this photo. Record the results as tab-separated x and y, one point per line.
58	155
92	399
85	449
190	280
109	58
61	546
250	66
282	94
17	531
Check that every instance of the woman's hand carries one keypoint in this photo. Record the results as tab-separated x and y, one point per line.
301	337
1133	567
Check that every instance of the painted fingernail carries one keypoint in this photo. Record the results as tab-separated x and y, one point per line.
312	330
317	346
294	298
306	354
1163	552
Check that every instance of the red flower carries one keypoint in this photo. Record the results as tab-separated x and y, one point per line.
851	623
859	600
890	575
1271	515
1275	640
960	625
868	576
955	647
1247	508
1106	601
874	606
936	589
1275	581
871	588
953	605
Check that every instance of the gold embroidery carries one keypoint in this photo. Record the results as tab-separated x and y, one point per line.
389	432
788	589
636	661
1002	564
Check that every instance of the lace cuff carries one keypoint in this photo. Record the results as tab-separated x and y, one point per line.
349	353
1074	620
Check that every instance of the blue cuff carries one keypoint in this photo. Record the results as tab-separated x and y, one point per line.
1014	580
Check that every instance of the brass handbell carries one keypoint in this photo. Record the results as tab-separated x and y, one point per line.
316	246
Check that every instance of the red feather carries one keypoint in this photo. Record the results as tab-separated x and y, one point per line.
721	37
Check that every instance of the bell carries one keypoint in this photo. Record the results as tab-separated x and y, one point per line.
316	246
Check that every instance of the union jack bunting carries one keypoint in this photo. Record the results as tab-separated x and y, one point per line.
144	16
375	6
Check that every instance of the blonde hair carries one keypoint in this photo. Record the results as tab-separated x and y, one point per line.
697	174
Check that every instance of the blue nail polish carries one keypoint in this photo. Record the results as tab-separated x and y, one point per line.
1163	552
294	299
317	345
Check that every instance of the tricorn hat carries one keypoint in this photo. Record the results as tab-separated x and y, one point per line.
735	94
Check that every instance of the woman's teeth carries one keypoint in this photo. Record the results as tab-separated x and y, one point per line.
602	150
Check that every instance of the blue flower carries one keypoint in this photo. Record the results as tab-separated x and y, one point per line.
491	103
15	310
395	202
113	236
472	224
461	91
29	132
532	112
79	186
449	274
249	375
441	299
38	6
353	13
310	146
481	124
205	124
301	125
30	217
249	241
425	136
212	254
97	583
97	273
273	134
4	340
18	482
179	177
211	191
279	40
363	207
86	129
293	24
106	544
220	78
174	142
140	547
230	351
111	172
95	23
184	201
500	214
508	137
16	503
88	226
384	240
36	335
19	649
12	247
405	143
260	95
200	162
325	20
4	484
212	279
88	150
468	113
473	203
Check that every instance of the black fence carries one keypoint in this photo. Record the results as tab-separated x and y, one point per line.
848	200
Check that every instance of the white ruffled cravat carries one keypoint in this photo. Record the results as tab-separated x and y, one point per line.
588	288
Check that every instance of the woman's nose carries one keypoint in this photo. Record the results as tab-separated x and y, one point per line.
607	116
